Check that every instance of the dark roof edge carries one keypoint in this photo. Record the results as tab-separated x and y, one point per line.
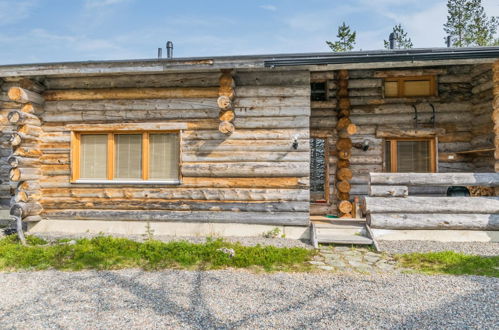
407	55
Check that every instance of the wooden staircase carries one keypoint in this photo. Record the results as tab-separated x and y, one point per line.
339	231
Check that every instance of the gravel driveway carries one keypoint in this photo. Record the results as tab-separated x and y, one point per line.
134	299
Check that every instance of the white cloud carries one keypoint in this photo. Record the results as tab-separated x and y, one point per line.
102	3
269	7
14	11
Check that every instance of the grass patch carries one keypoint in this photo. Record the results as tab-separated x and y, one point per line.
105	253
449	262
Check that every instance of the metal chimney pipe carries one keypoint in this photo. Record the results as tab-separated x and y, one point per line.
160	53
447	41
169	49
392	40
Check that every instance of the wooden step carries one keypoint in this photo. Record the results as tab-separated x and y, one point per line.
344	239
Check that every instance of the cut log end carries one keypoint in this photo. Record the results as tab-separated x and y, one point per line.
226	128
227	115
224	102
15	94
345	207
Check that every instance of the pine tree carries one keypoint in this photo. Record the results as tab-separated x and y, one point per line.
346	39
481	29
402	41
468	24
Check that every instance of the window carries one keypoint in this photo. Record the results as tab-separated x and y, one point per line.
319	179
318	91
410	155
410	86
125	156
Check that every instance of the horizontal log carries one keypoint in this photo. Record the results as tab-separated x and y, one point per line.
457	205
247	102
31	108
22	118
160	204
23	174
185	79
436	179
268	78
17	139
249	169
388	191
215	194
31	85
22	95
16	161
444	117
264	218
395	132
32	218
28	152
245	156
129	93
274	91
247	134
434	221
30	130
25	209
134	105
202	147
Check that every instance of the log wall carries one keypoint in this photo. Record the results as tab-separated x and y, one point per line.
250	176
482	128
463	108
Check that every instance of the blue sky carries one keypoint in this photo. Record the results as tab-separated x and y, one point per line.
74	30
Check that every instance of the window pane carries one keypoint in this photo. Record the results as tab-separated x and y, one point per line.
417	88
93	156
391	89
164	156
413	156
128	164
388	156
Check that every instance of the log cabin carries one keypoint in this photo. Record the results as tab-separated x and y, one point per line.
240	145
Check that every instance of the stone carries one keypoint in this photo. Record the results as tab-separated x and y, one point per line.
354	263
384	266
317	263
338	264
342	248
329	268
371	259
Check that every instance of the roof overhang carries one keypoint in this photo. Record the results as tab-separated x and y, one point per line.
306	61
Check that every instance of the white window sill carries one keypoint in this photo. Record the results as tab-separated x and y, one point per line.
134	182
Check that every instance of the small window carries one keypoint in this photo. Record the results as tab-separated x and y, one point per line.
117	157
410	155
318	91
410	86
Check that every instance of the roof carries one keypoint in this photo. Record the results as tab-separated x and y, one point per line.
309	61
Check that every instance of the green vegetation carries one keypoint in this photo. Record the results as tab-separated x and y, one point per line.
402	41
449	262
105	253
346	39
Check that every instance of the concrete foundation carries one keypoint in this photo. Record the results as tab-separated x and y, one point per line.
436	235
164	228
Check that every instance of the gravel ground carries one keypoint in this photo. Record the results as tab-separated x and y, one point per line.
476	248
134	299
247	241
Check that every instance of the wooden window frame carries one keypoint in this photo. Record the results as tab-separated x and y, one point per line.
393	153
327	180
401	85
75	157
